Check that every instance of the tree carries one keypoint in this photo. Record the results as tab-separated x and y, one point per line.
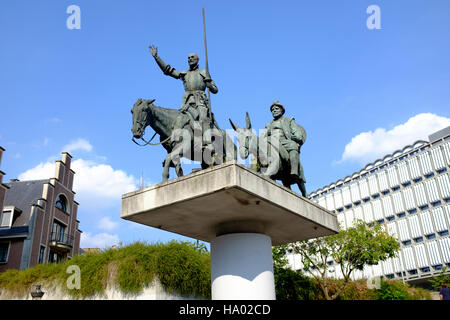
351	248
437	281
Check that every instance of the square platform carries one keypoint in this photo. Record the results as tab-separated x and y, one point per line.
228	198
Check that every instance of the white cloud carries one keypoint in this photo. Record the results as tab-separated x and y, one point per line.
97	186
41	171
101	240
79	144
106	223
372	145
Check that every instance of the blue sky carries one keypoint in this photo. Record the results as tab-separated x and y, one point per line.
349	86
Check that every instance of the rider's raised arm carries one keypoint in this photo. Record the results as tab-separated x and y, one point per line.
166	68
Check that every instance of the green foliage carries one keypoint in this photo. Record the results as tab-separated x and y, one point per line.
181	267
293	285
393	290
437	281
290	284
351	248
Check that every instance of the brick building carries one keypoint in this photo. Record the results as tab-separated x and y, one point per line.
38	219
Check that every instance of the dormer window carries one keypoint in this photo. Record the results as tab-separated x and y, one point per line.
6	218
61	203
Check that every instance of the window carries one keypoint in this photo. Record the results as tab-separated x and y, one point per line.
6	219
61	203
4	250
41	254
58	232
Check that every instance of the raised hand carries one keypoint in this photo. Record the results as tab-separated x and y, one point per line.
153	50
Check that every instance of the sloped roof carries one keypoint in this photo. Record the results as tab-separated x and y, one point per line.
22	194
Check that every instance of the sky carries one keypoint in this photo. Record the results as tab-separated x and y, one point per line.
363	82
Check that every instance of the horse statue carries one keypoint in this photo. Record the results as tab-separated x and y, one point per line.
272	160
209	148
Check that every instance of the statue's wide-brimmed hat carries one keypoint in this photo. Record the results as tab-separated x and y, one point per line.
277	103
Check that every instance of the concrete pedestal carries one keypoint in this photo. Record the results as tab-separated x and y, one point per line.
241	213
242	267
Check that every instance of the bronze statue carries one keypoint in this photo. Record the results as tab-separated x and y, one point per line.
277	150
162	120
195	80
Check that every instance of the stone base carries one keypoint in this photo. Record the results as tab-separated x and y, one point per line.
225	199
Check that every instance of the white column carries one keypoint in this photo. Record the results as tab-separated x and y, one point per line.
242	267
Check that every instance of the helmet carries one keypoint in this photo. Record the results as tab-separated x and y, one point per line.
277	103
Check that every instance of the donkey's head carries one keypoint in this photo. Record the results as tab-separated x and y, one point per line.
246	138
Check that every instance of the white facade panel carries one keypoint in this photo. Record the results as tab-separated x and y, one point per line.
349	218
445	249
438	158
414	168
368	213
446	210
358	213
427	224
377	270
403	231
444	185
377	210
364	189
433	252
383	181
409	199
446	149
354	190
398	202
391	229
393	177
426	162
387	266
408	256
341	220
373	184
330	202
346	195
397	264
421	256
403	172
439	219
415	227
387	206
433	194
338	199
421	197
322	202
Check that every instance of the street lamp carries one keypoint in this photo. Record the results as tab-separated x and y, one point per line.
37	293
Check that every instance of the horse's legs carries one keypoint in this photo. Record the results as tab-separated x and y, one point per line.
286	184
178	169
165	174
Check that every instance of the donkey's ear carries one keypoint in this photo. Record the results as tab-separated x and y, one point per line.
235	127
151	101
248	124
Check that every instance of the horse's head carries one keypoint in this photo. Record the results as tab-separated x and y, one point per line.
245	137
140	113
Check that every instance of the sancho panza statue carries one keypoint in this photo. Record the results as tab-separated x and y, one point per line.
291	137
195	102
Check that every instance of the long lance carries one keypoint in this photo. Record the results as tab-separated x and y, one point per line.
206	60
